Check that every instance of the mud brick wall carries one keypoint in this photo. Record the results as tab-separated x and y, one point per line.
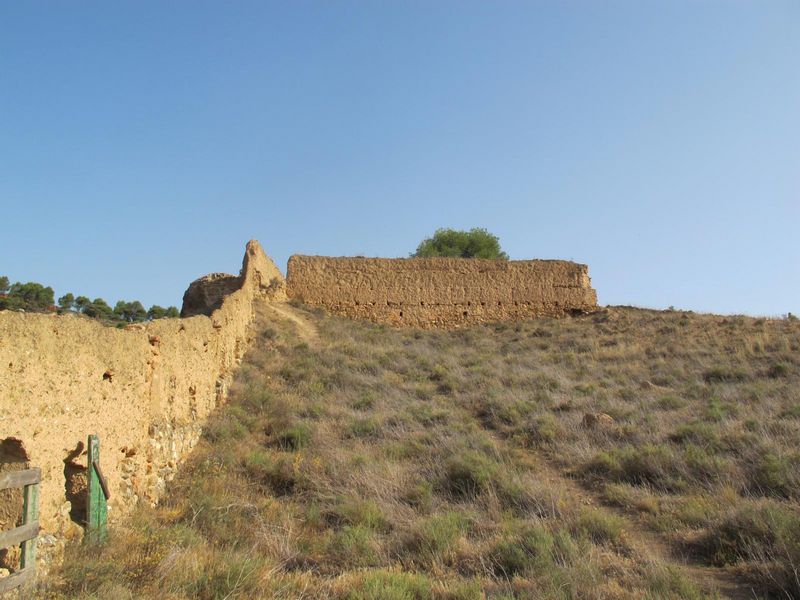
145	390
440	292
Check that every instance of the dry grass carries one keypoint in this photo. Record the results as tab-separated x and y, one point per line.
384	464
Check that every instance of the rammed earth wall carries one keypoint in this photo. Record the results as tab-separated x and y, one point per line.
440	292
145	390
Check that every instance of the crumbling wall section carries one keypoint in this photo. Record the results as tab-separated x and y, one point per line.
440	292
145	390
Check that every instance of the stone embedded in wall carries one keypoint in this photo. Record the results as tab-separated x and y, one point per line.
440	292
205	295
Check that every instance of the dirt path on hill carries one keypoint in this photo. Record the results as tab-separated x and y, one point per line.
305	328
650	546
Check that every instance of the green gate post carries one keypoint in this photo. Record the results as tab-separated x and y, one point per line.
30	514
97	496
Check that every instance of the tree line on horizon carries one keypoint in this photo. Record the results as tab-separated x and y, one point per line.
34	297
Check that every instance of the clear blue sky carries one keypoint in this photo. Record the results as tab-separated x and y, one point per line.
143	143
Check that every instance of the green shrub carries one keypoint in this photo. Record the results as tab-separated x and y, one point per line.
669	583
543	430
763	534
430	416
648	464
566	549
773	475
278	475
293	438
695	511
435	536
494	413
531	549
515	495
365	402
791	412
475	243
778	370
354	545
256	399
223	429
468	474
670	403
703	466
460	590
354	511
631	498
445	383
420	496
599	525
364	428
724	375
388	585
696	432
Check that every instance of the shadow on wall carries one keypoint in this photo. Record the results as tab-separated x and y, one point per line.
13	457
76	483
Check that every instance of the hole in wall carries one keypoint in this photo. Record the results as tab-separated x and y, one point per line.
108	375
465	313
13	457
76	483
401	314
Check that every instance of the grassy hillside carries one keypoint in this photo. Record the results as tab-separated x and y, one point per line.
371	463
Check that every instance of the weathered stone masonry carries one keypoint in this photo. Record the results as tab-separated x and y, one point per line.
440	292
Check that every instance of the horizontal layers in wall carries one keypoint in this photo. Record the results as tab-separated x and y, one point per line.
440	292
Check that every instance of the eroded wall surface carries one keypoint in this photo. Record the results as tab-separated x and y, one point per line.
145	391
440	292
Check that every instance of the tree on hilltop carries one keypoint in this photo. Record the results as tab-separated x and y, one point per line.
156	312
30	296
66	302
98	309
35	297
159	312
475	243
132	312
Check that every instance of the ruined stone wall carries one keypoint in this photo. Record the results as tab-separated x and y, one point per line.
440	292
144	390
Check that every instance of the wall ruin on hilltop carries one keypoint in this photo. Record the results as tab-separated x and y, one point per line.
440	292
145	391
